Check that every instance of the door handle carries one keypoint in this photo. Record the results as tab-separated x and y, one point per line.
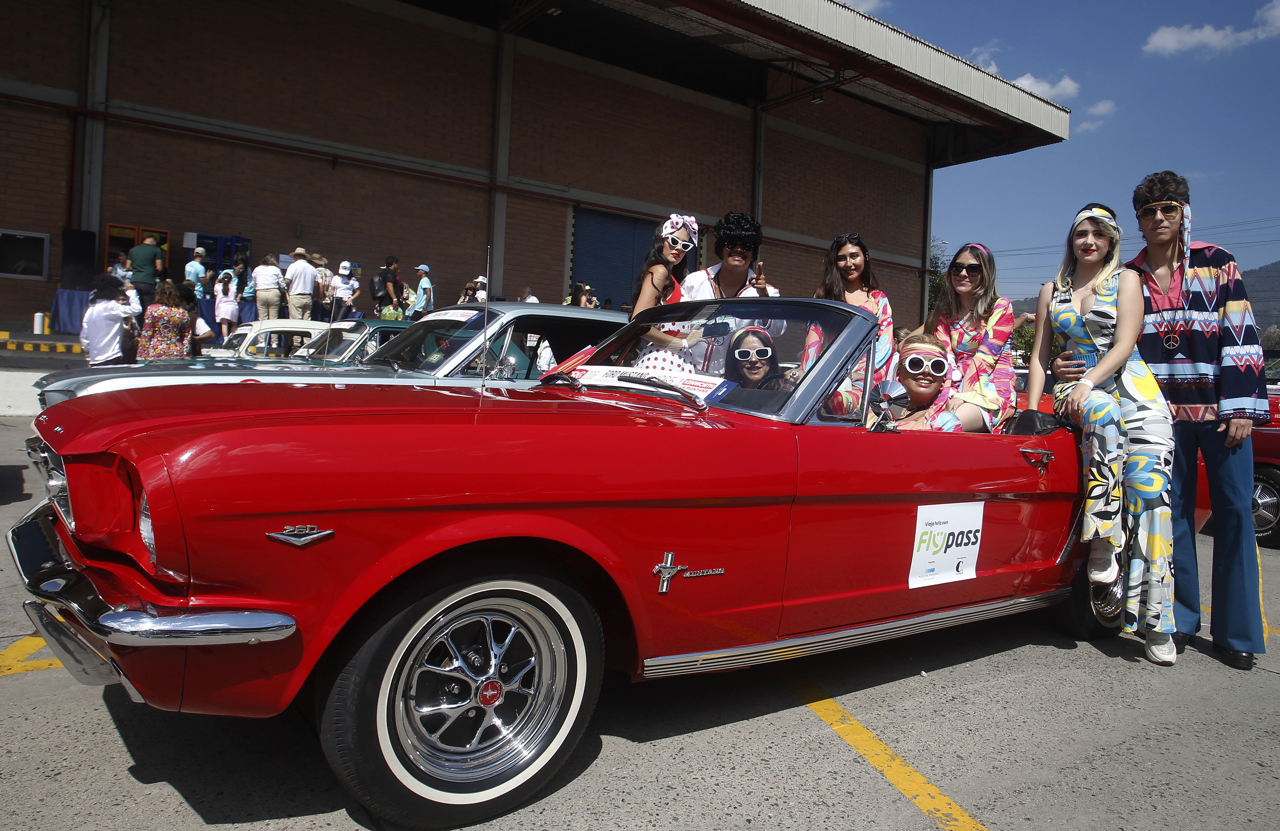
1038	457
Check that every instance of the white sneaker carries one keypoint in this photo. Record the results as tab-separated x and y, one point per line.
1160	649
1102	566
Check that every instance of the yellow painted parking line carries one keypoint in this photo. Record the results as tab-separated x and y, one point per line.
936	805
14	659
1270	629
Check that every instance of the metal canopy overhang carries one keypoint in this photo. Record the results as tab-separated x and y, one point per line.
974	113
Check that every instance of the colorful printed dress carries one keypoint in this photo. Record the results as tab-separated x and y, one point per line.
1126	421
878	305
659	357
164	333
983	374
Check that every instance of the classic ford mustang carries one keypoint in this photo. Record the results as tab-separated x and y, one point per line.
688	500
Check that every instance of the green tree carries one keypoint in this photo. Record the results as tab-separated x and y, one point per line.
1271	338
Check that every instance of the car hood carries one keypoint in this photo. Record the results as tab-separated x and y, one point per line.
94	423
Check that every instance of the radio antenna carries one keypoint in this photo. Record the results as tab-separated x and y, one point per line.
484	327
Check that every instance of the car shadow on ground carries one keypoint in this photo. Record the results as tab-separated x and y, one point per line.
248	770
231	770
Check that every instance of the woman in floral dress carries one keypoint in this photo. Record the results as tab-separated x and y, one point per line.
166	327
849	278
975	323
1094	307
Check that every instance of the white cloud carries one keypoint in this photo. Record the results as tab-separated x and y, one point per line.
1106	107
1170	40
868	6
1088	126
1065	88
984	56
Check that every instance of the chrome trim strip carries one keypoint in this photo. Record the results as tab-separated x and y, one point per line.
45	576
797	647
134	628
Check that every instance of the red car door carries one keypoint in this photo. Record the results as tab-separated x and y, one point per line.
893	524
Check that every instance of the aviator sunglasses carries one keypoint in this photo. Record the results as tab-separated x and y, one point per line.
676	242
915	364
760	353
1169	209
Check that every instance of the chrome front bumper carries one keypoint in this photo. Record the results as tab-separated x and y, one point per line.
65	593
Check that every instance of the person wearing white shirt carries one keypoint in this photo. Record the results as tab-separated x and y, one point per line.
527	296
482	289
301	279
738	237
104	321
268	285
346	288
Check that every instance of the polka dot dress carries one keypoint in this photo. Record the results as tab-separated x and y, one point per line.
659	357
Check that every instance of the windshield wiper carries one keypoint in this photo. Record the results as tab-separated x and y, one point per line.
698	403
562	378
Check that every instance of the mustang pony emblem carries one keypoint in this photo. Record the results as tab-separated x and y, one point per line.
300	536
666	571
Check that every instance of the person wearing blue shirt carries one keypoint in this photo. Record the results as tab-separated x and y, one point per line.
195	271
425	302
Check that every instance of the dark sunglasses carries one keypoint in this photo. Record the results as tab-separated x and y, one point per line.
676	242
738	248
1169	209
760	353
915	365
972	269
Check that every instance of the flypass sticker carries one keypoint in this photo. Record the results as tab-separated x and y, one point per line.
946	543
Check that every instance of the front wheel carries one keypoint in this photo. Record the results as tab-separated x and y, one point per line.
1266	506
465	703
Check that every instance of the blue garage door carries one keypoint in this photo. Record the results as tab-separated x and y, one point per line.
608	251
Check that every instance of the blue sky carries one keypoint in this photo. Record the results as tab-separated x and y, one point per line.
1192	87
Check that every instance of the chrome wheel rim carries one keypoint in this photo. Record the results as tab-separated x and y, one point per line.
1107	599
480	690
1266	506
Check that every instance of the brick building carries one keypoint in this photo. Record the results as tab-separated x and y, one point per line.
541	141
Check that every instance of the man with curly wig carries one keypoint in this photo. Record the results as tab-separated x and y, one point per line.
737	245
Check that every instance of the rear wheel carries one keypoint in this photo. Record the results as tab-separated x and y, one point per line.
465	703
1092	610
1266	506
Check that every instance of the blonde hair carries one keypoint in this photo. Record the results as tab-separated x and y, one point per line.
1110	230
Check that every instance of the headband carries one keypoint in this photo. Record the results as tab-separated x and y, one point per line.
754	330
978	246
912	348
1097	214
676	222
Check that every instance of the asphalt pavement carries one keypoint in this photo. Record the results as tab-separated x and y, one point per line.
1017	725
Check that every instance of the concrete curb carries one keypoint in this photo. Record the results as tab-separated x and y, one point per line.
17	396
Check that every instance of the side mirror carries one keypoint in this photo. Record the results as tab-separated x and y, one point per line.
505	370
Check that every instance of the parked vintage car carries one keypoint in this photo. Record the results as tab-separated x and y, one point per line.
448	620
527	334
266	339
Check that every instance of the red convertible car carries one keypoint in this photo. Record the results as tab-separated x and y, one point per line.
685	501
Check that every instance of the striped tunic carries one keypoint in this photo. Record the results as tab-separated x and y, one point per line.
1201	341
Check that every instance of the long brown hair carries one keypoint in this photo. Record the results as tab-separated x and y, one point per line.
832	286
949	302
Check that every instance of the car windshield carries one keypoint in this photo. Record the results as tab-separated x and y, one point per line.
434	339
335	341
749	354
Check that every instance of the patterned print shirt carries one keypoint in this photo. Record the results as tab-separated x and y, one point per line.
1201	341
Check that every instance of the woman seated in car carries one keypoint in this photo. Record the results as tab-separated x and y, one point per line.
753	362
922	370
